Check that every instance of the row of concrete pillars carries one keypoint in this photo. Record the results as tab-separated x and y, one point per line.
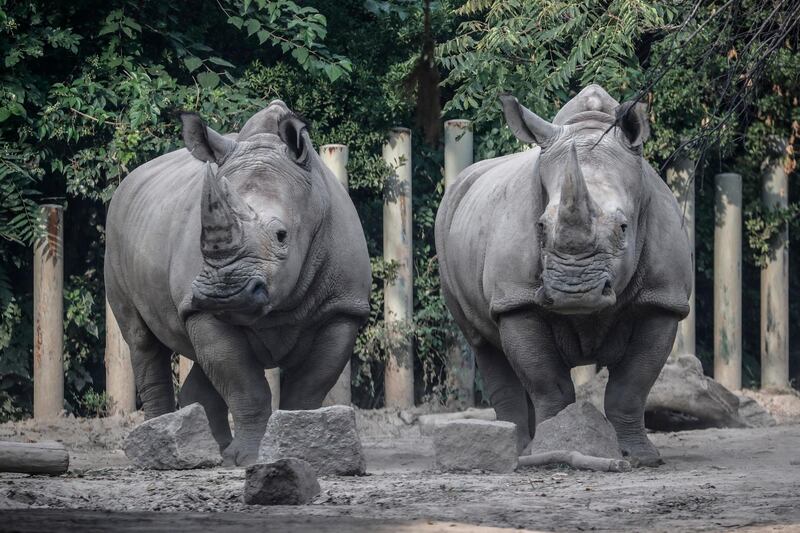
398	295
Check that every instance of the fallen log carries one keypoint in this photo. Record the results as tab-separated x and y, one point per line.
34	457
575	460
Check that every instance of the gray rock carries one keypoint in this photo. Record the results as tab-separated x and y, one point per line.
174	441
752	414
285	482
428	423
681	398
326	438
471	444
580	427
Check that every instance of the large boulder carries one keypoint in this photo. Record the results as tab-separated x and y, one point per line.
285	482
473	444
684	398
174	441
326	438
580	427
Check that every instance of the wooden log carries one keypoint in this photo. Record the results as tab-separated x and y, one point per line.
34	457
575	460
120	383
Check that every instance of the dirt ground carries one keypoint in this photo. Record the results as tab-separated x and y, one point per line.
715	479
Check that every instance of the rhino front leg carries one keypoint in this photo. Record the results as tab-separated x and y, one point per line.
630	381
305	385
227	359
197	388
528	343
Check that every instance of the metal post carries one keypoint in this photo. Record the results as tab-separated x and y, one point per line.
680	177
728	281
458	155
120	384
48	316
397	249
775	280
335	158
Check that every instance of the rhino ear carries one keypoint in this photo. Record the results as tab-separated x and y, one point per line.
204	143
632	120
294	132
527	126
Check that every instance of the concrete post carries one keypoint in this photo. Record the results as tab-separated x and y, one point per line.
274	380
583	374
458	155
48	316
728	281
120	384
680	177
398	292
335	158
775	280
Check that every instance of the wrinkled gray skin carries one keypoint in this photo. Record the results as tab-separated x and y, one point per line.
241	253
567	254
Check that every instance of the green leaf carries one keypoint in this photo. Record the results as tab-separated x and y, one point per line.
4	114
236	21
208	80
220	61
301	55
192	63
252	26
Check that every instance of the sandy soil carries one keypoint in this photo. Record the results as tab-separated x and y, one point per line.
711	480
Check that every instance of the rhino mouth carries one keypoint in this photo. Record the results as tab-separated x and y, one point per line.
576	286
250	298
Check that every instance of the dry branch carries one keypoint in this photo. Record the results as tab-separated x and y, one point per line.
575	460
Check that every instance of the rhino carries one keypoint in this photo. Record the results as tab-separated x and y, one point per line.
241	252
570	253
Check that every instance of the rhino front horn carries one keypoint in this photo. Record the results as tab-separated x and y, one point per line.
221	211
576	208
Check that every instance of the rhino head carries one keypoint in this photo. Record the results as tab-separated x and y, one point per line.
257	211
592	174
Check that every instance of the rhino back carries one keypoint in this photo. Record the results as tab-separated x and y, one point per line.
151	225
483	234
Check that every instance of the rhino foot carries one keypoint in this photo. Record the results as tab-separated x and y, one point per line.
240	453
639	451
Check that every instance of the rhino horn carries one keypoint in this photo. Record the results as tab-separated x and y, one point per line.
576	208
222	212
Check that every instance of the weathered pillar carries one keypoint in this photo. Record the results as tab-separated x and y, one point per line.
184	367
728	281
274	380
775	279
48	316
680	177
398	291
120	384
458	155
335	158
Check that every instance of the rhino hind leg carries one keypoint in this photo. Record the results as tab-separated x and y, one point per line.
198	389
151	361
506	393
630	381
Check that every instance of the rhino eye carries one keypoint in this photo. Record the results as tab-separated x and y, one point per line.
281	235
623	227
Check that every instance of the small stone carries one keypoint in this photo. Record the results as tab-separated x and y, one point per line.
428	423
174	441
326	438
464	445
580	427
285	482
753	414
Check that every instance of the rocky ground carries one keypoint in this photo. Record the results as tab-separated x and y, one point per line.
712	479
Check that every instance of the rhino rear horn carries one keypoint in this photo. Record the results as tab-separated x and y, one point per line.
221	216
527	126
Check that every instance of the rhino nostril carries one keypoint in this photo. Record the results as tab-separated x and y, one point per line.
607	290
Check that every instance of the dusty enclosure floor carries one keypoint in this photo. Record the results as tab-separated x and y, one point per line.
712	480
